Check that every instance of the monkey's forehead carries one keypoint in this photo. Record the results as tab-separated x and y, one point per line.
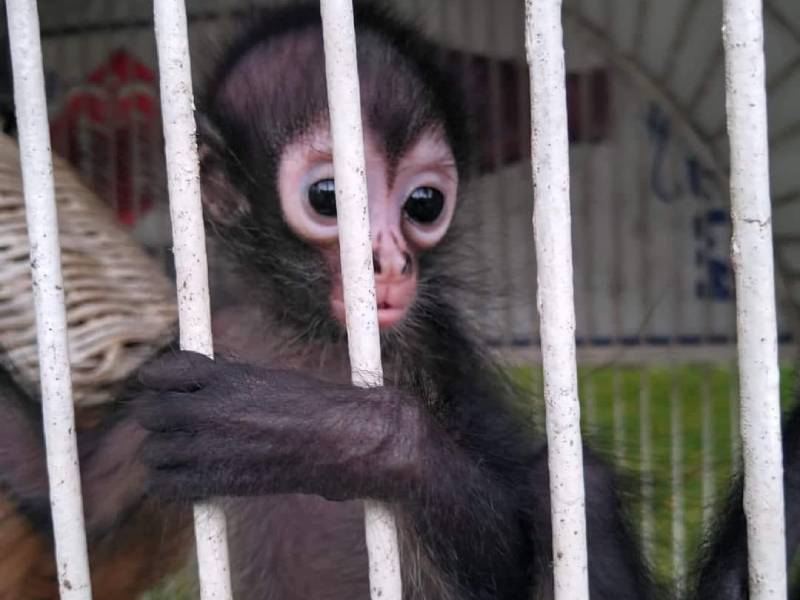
429	152
275	91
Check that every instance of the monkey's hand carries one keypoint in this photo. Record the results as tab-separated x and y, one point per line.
223	428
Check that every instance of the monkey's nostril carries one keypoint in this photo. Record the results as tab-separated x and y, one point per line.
376	263
408	264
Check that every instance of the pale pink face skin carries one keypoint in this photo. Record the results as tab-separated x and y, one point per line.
396	238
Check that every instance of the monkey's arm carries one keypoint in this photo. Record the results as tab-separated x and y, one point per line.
228	429
220	428
476	498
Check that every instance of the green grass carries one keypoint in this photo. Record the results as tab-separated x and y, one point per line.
179	587
689	385
677	397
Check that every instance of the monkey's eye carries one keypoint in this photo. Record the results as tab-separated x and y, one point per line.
322	197
424	205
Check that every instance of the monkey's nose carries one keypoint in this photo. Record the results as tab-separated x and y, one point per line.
399	263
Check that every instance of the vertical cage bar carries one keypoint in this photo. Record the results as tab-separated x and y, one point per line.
746	104
618	253
733	412
708	454
678	259
188	238
48	288
551	224
645	275
358	277
707	420
678	513
619	437
646	465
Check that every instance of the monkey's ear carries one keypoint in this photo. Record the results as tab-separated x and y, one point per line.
223	201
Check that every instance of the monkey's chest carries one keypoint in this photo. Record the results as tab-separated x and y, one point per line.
298	547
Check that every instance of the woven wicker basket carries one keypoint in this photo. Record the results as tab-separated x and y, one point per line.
120	306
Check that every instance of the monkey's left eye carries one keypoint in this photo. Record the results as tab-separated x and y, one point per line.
322	197
424	205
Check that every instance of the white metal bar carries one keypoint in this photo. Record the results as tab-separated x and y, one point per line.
646	464
188	238
619	437
733	411
678	516
678	260
617	194
708	454
551	224
707	432
58	417
645	274
358	277
746	103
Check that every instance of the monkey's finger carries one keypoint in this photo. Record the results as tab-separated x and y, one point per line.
221	478
170	451
167	412
181	371
177	483
195	480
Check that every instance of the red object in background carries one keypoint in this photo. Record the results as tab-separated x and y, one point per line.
109	129
502	118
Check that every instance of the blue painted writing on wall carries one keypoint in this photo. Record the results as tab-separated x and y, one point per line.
711	231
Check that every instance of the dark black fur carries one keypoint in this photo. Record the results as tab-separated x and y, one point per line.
439	442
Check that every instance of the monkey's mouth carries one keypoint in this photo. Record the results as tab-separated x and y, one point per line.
388	315
392	301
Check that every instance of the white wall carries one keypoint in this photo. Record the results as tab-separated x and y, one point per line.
635	209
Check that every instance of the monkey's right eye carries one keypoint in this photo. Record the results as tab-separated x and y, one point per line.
322	197
424	205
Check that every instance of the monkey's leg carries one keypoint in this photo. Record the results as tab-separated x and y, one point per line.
723	569
132	543
27	567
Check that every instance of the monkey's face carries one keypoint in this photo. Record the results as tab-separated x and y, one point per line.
267	170
411	202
